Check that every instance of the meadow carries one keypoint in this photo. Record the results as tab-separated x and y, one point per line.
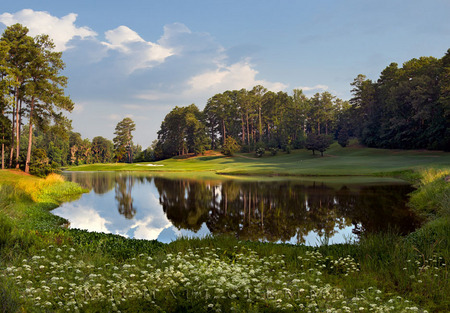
47	268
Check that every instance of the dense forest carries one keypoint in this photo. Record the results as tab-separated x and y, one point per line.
408	107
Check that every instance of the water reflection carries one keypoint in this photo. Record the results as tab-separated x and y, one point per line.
286	211
124	185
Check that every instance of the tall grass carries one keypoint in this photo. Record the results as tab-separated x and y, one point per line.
432	198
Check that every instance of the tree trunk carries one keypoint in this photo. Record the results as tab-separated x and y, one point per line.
3	154
3	145
18	121
13	125
260	124
30	138
224	131
243	129
248	131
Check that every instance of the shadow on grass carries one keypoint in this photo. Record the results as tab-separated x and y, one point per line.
209	158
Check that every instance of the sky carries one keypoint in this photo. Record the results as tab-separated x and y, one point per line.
141	58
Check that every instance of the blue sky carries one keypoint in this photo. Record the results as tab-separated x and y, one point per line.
142	58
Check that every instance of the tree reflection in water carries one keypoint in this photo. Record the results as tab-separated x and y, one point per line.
279	211
124	185
271	211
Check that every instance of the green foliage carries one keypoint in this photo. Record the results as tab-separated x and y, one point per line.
343	138
182	132
230	146
318	142
102	150
118	247
39	164
147	155
288	149
252	117
407	108
123	142
9	297
6	228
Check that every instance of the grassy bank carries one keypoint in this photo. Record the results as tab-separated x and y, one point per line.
45	268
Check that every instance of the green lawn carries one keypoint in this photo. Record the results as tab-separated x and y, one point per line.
337	161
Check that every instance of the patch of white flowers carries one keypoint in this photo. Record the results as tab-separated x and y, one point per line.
217	280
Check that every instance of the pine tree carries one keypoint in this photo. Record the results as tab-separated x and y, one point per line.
123	142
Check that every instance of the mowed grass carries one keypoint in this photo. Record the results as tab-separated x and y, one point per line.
337	161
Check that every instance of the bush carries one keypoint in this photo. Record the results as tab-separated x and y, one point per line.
230	147
39	164
260	152
343	138
299	142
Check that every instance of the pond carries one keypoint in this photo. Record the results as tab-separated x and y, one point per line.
311	211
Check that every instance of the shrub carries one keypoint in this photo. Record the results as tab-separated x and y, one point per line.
343	138
260	152
230	147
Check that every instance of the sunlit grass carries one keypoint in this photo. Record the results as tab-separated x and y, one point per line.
338	161
433	196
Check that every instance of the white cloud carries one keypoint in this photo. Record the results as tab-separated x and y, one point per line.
146	230
61	30
83	217
140	53
313	88
119	37
236	76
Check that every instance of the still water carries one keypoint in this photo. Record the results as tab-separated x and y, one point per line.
312	212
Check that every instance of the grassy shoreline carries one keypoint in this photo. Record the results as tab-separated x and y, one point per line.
383	272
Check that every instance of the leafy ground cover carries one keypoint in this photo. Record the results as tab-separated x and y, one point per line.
46	268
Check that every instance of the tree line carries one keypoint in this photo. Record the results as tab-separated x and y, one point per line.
406	108
254	119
